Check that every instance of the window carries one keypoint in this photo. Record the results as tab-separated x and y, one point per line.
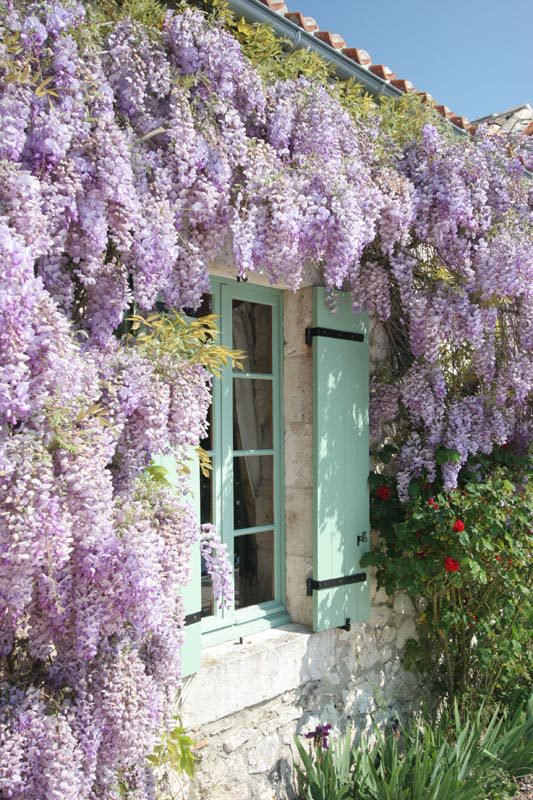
243	495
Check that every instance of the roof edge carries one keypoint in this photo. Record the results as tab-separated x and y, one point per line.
255	11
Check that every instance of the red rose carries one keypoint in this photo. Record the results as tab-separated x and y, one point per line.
458	525
420	554
383	492
499	558
432	503
451	564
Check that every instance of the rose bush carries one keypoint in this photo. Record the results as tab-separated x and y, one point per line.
465	558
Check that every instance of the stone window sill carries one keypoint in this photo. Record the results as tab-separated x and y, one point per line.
235	676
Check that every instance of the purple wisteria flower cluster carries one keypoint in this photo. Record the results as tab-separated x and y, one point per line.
123	170
463	286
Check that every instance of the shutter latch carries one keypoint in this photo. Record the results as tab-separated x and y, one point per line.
361	538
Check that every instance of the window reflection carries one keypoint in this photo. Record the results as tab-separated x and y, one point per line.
207	441
254	569
206	497
253	491
252	414
207	593
252	333
204	308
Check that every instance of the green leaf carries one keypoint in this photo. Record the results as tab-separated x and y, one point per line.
373	559
444	455
415	488
158	474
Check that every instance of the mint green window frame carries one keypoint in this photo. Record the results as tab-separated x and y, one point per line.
226	624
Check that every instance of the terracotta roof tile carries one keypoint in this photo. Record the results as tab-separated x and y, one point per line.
426	98
359	56
461	122
382	72
403	85
307	23
334	40
444	111
276	5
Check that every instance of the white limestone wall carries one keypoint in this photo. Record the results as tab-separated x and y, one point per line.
248	701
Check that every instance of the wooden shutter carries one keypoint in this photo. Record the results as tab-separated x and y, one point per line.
339	586
192	593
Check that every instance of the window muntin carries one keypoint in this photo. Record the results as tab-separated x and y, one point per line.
246	450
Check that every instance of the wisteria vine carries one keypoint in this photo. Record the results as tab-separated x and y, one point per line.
123	170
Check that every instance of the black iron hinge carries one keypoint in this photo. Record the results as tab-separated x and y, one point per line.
332	583
190	619
331	333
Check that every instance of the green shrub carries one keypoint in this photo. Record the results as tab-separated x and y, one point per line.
448	759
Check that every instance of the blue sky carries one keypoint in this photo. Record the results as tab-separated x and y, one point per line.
475	56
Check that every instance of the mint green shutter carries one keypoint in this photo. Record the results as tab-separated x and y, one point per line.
192	593
341	463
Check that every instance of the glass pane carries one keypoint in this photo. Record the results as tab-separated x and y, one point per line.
207	442
206	497
254	569
205	307
252	333
253	491
208	603
252	414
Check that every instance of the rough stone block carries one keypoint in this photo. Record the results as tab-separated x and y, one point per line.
379	616
368	657
237	739
389	634
381	596
364	698
263	756
407	631
403	604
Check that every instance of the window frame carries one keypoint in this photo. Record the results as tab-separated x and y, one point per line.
230	624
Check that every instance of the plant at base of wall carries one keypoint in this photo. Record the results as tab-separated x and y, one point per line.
174	752
448	758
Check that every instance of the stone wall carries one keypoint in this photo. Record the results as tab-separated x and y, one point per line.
297	679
